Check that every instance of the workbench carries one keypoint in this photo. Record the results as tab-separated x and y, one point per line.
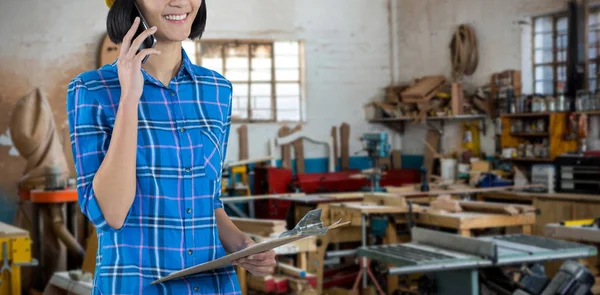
15	252
553	208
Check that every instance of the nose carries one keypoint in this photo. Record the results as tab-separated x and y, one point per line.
179	3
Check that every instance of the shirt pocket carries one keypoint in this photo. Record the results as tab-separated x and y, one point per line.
212	151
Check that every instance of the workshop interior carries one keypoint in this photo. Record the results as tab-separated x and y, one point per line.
387	146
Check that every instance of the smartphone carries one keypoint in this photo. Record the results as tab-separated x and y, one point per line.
150	41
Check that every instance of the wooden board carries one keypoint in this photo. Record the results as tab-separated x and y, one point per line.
396	159
423	88
261	227
335	146
433	140
286	150
472	220
345	142
457	99
573	233
109	51
243	142
7	230
299	151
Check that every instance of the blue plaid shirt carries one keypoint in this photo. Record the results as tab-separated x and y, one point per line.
182	134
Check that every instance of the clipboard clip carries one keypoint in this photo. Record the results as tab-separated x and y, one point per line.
309	225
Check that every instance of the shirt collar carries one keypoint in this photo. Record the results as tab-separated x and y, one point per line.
186	68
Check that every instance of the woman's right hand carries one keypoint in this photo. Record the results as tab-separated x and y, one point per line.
130	62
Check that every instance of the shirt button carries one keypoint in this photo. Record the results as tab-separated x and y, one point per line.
187	170
189	210
190	252
172	93
196	289
182	129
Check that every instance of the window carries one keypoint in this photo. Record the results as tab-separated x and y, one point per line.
549	53
266	76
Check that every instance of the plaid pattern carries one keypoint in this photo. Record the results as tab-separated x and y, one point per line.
182	135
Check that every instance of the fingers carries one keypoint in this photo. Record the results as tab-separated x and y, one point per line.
138	41
260	270
145	52
127	39
268	262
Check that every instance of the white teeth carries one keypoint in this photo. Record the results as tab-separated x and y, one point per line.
176	16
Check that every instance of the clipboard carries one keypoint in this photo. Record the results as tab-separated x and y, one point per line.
309	225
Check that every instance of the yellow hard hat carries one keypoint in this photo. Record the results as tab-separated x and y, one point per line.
109	3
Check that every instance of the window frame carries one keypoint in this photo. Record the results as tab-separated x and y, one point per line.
273	82
555	64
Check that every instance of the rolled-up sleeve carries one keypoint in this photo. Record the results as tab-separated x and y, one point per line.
218	203
90	133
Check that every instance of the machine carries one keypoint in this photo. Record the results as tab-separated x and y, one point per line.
453	261
376	145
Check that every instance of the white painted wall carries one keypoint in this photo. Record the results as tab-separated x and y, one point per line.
347	58
426	28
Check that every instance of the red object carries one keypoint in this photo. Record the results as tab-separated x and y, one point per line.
341	181
281	285
312	280
49	197
592	154
267	181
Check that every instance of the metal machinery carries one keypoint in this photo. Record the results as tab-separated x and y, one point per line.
15	252
454	260
376	145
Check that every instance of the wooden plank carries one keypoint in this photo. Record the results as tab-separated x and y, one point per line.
335	145
574	233
7	230
494	208
445	203
345	143
286	149
457	99
243	142
299	151
396	159
423	87
433	140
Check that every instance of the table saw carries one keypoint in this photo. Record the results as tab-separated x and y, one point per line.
455	259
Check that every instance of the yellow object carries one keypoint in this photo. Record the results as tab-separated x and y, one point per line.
242	171
471	138
109	3
579	222
15	251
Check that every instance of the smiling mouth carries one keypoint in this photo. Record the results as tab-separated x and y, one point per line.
176	17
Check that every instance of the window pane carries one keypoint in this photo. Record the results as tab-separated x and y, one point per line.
592	38
592	19
543	56
261	51
190	49
592	52
240	89
215	64
593	71
562	73
286	48
543	24
287	62
543	41
261	75
260	89
544	87
236	75
288	103
562	41
240	100
544	73
287	75
592	84
561	56
562	24
261	102
209	50
261	63
261	114
288	89
236	63
237	50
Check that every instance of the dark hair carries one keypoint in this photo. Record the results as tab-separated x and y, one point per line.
122	13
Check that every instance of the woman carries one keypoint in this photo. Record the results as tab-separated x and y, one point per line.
149	141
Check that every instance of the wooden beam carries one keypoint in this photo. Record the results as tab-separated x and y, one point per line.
243	142
345	143
286	150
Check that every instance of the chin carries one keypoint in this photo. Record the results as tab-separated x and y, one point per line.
176	37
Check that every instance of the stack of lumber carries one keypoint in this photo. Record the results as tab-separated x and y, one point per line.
425	97
260	227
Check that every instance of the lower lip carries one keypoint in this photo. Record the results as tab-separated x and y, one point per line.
178	21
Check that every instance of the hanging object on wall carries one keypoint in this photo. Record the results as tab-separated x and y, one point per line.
463	52
108	53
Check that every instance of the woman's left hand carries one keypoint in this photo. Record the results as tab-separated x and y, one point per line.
260	264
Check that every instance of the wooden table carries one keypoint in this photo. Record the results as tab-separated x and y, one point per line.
465	222
553	208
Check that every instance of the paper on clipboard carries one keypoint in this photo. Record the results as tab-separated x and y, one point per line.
305	228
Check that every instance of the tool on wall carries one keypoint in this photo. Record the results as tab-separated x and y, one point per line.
377	147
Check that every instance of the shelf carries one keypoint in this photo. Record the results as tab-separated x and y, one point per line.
540	160
397	124
530	134
526	115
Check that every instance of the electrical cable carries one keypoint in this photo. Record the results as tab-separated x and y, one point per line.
463	51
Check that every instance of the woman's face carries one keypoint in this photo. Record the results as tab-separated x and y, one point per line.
172	18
